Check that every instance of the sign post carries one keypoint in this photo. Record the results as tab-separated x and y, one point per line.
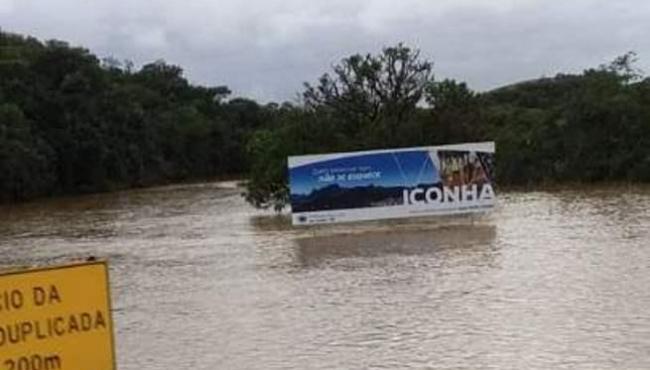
56	318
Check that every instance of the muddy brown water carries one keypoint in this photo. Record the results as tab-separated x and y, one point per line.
549	280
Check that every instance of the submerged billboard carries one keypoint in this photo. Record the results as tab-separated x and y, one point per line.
392	183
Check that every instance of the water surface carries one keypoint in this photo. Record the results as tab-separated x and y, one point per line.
200	280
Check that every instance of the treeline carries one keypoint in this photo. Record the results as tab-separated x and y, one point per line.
593	126
72	123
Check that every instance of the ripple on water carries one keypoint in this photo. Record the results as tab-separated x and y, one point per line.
551	279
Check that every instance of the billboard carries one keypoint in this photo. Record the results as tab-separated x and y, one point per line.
392	183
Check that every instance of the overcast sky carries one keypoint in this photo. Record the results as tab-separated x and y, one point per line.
266	49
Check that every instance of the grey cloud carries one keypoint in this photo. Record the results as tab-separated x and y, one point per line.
266	49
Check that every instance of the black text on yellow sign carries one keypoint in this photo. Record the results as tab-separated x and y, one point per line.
56	318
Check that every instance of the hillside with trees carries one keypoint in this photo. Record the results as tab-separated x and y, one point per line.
72	123
588	127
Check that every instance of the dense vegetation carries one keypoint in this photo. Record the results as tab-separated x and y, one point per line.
593	126
72	123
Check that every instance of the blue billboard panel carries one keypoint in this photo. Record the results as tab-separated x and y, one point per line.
393	183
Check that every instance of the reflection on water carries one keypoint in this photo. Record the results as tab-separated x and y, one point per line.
554	279
313	251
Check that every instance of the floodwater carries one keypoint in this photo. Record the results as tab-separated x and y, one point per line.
549	280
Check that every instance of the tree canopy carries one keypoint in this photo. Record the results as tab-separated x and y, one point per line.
71	122
593	126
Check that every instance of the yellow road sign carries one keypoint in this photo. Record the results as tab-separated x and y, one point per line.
56	318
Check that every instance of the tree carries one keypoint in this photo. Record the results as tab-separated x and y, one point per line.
370	90
25	169
364	103
455	112
71	124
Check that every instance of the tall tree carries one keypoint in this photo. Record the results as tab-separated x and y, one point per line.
364	103
372	90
